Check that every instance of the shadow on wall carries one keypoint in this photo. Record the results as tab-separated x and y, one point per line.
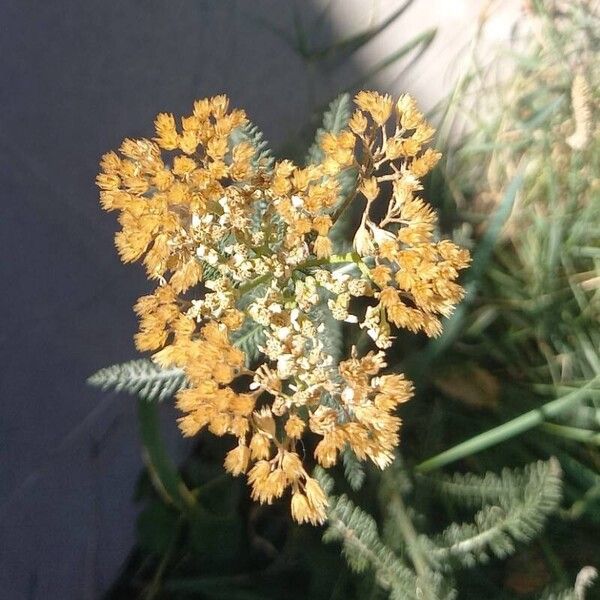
81	77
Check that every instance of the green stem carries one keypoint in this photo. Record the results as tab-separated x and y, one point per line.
162	471
562	389
349	257
343	206
516	426
581	506
572	433
411	538
334	259
243	289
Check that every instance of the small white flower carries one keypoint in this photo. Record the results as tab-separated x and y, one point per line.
282	333
212	258
381	235
340	276
285	364
348	394
363	242
275	308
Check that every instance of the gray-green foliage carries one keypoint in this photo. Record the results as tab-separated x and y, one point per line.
331	333
142	378
357	531
249	338
511	507
151	382
534	324
474	491
263	160
335	120
263	156
585	579
539	311
353	469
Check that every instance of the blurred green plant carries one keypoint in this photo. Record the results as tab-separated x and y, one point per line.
531	158
521	355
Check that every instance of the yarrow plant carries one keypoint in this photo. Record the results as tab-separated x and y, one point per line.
236	241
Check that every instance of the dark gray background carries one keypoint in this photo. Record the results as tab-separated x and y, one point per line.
77	77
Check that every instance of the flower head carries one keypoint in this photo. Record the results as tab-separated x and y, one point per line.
239	245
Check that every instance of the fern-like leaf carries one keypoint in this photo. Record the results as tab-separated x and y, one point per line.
335	119
475	491
353	469
142	378
150	382
331	334
517	514
248	338
363	549
585	579
263	157
209	272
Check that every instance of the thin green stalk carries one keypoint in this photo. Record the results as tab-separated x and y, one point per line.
581	505
413	546
243	289
551	387
572	433
160	466
344	205
504	432
349	257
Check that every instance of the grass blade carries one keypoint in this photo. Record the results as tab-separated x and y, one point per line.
506	431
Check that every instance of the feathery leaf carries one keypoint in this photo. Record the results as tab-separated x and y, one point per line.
353	469
515	507
263	157
142	378
335	119
362	547
248	338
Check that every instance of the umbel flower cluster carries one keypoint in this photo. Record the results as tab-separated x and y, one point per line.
233	240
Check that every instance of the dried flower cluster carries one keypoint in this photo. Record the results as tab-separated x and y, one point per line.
233	241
